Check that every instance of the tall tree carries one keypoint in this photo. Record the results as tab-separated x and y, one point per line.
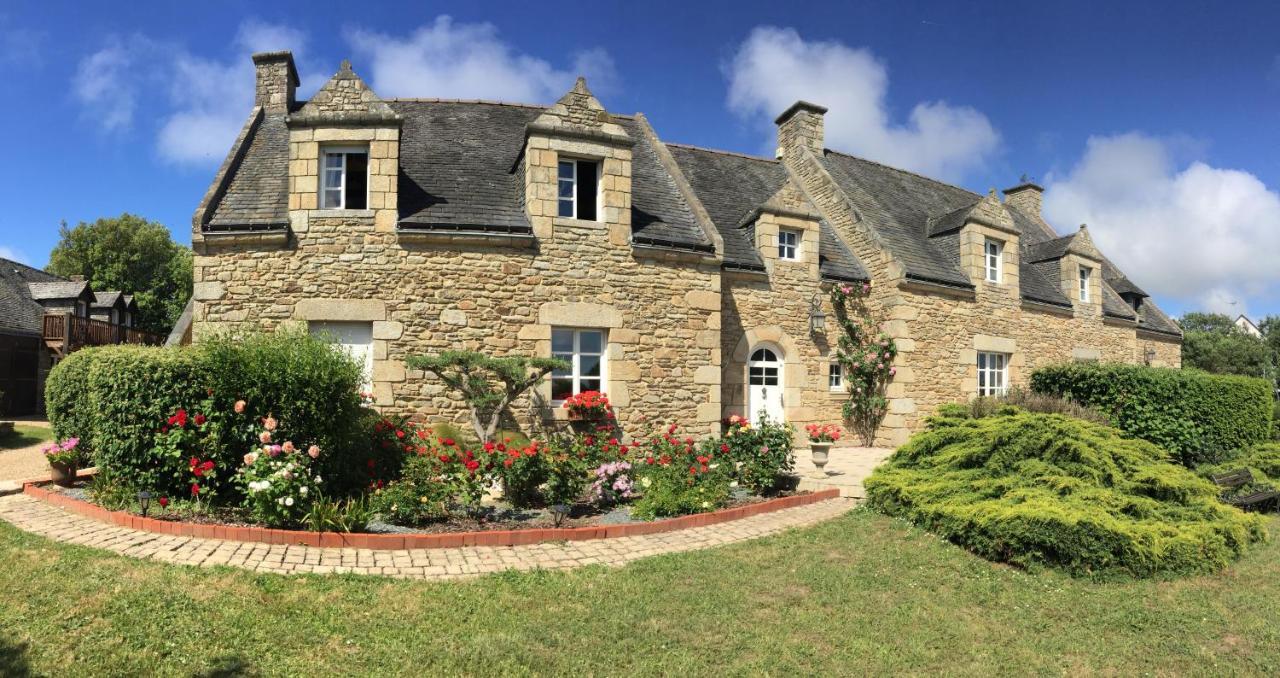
1213	343
132	255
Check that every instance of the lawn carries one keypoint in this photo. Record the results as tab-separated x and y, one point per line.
860	594
25	435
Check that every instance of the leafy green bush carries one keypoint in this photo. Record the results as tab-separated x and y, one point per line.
1046	490
1196	416
418	497
758	454
675	477
66	399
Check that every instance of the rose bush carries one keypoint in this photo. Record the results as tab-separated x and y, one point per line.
279	483
759	455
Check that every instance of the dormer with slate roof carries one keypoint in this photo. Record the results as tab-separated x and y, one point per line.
1078	265
989	244
344	150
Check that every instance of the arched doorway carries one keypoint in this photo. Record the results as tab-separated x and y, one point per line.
764	383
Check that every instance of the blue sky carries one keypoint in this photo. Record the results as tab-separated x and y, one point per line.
1156	123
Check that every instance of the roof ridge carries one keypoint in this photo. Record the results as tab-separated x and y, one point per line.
446	100
722	152
902	171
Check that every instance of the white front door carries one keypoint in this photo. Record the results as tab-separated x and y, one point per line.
764	385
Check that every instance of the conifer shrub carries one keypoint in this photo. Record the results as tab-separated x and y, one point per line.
1045	490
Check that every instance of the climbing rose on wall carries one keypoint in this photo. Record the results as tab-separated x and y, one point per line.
866	359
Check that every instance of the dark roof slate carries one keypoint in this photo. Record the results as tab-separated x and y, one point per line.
898	205
57	289
731	187
19	313
106	299
1045	250
258	193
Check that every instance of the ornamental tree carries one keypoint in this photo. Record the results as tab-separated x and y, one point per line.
866	358
487	384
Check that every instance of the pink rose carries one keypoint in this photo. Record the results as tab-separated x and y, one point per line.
269	423
287	446
239	407
313	451
250	458
265	437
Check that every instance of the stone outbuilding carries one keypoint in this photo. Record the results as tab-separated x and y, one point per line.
688	284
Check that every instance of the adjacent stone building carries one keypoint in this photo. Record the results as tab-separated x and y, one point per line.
686	283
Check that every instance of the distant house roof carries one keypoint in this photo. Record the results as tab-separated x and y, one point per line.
57	289
19	313
107	299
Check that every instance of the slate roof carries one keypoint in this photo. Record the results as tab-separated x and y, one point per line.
56	289
257	195
105	299
731	187
1045	250
19	313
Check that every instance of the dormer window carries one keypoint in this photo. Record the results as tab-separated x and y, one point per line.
1085	274
788	245
345	178
994	261
578	185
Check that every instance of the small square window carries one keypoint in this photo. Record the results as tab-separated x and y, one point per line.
577	183
993	374
994	261
1085	274
344	180
835	377
789	245
584	351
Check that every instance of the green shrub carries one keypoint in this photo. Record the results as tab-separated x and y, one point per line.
758	454
418	497
1263	461
66	399
1196	416
1046	490
1026	400
1275	422
672	490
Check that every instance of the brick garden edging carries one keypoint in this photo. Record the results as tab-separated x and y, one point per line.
385	542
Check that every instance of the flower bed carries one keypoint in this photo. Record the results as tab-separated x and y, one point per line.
419	540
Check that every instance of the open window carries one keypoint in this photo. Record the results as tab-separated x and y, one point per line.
577	186
344	182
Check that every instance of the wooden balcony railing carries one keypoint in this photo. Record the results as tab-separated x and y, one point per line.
65	333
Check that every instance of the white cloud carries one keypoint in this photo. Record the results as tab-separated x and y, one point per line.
774	67
1203	235
208	99
468	61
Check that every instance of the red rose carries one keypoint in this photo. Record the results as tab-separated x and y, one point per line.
208	466
164	501
444	458
200	419
399	433
180	418
507	462
693	470
472	464
195	490
724	447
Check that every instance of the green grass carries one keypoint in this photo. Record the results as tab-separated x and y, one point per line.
860	594
25	436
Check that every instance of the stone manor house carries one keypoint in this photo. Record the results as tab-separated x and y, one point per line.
687	283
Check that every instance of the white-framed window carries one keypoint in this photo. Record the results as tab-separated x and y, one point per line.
344	178
789	245
1085	274
577	188
355	338
993	374
994	260
835	377
584	351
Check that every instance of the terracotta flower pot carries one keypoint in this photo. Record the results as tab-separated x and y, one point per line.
821	453
63	475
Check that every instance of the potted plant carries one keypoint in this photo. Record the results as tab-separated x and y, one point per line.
588	406
64	460
821	438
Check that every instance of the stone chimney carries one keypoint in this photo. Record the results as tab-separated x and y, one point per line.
276	82
76	278
800	126
1025	196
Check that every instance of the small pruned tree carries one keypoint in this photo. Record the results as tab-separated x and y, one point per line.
487	384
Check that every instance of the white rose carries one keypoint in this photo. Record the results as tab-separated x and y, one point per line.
646	481
733	484
302	490
288	501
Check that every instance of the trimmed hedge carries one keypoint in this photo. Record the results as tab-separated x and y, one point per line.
119	398
1199	417
1047	490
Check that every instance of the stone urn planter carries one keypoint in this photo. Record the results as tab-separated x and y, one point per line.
63	475
821	452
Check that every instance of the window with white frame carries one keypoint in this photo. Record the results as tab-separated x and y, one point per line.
1085	274
835	377
994	260
344	180
577	185
993	374
584	351
355	339
788	245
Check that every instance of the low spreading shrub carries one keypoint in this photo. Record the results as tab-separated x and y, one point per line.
1199	417
1046	490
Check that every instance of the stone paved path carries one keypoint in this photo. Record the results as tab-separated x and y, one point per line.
846	468
24	463
437	564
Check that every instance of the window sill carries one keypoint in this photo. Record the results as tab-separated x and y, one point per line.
576	223
323	213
